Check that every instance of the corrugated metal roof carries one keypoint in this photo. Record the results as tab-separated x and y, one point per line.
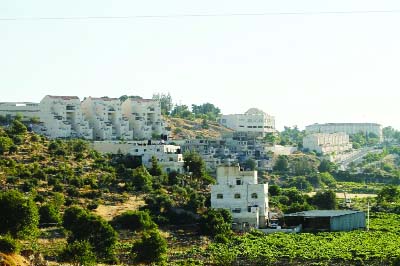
322	213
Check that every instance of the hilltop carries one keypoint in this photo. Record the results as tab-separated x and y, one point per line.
196	128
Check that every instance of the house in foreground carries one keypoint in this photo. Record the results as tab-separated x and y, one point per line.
239	192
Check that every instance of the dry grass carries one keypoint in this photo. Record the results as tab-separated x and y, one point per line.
12	260
108	212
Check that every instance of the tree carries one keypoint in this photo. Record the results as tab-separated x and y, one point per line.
389	194
207	111
281	164
182	111
155	169
328	179
49	214
250	164
216	222
17	128
5	144
92	228
18	214
327	166
152	247
134	220
325	200
194	164
141	179
274	190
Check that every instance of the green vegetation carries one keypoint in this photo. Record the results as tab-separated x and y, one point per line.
19	215
8	245
152	247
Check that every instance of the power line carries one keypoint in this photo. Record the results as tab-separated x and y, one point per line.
202	15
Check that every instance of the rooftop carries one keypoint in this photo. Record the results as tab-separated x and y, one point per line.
322	213
64	97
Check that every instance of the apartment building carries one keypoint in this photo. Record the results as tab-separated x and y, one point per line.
348	128
327	143
144	117
106	119
27	110
254	120
239	192
62	118
169	157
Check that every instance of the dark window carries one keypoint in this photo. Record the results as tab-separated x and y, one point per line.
237	196
220	196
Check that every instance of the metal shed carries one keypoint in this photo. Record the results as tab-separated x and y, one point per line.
327	220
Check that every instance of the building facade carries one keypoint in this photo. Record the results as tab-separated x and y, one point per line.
169	157
239	192
105	117
254	120
144	117
27	110
348	128
327	143
62	118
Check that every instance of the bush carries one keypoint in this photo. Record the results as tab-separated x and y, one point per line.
134	220
79	253
152	247
216	222
8	245
49	214
22	217
94	229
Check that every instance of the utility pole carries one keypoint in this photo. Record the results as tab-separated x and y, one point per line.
368	215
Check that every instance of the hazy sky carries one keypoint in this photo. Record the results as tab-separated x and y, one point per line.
319	66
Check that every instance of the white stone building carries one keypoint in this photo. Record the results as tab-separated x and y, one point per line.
348	128
169	157
144	117
239	192
254	120
27	110
105	117
327	143
62	118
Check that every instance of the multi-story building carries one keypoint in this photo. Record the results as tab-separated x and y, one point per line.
169	157
327	143
348	128
254	120
62	118
239	192
105	117
144	117
27	110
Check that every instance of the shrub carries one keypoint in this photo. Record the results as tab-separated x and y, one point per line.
22	216
133	220
49	214
79	253
8	245
94	229
152	247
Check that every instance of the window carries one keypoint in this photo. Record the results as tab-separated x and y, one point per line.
238	182
220	196
236	210
254	196
237	196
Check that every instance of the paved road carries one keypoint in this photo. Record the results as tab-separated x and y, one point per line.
357	156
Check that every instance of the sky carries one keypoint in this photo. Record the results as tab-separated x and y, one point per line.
304	62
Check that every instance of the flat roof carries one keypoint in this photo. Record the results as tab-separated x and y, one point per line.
322	213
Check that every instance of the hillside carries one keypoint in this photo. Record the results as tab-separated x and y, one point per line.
188	129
